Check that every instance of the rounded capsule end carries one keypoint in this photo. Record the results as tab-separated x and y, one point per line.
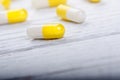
15	16
80	16
53	31
61	11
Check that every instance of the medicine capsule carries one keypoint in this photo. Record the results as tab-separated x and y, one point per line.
47	3
67	13
47	31
13	16
5	4
94	1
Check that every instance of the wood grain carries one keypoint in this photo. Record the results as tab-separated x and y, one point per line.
90	49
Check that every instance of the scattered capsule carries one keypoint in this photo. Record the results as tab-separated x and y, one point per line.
13	16
71	14
47	3
5	4
47	31
94	1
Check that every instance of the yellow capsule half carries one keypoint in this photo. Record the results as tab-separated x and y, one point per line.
5	4
53	31
47	3
62	10
47	31
95	1
13	16
53	3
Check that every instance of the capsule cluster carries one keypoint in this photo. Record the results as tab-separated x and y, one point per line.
45	31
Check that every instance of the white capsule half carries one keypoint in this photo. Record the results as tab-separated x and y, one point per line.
47	3
71	14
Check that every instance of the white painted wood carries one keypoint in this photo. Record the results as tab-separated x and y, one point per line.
90	49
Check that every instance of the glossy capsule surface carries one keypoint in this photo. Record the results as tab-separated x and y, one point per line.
46	31
13	16
71	14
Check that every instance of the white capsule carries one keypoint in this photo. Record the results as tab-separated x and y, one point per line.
47	3
46	31
71	14
13	16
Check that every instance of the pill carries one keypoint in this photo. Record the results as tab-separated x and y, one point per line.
72	14
94	1
46	31
5	4
47	3
13	16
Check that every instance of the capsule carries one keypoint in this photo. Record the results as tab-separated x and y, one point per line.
95	1
13	16
5	4
47	3
71	14
47	31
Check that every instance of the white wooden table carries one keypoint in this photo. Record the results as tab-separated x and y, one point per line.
88	50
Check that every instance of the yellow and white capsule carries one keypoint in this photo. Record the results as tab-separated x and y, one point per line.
5	4
95	1
13	16
47	31
72	14
47	3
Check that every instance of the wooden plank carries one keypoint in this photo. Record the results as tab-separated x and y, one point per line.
88	59
91	46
